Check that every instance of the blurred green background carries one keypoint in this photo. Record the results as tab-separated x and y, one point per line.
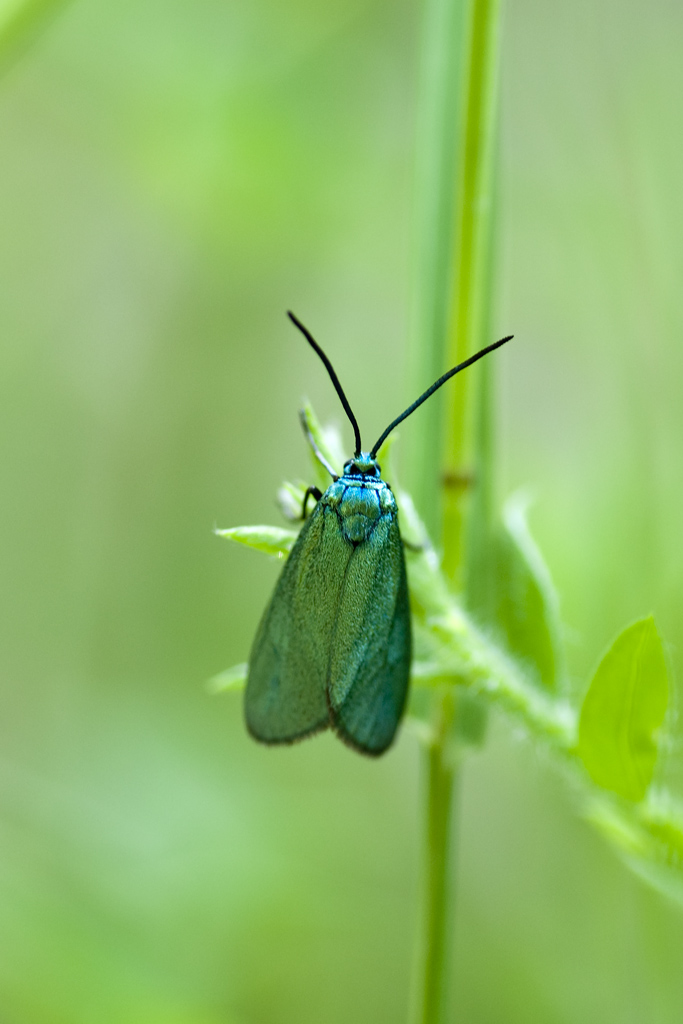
173	176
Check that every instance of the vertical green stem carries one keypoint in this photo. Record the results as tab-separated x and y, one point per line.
455	226
472	265
433	996
438	140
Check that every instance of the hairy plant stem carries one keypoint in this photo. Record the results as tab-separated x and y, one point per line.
459	121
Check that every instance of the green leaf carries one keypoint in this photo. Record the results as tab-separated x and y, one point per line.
272	540
329	442
623	711
509	591
234	678
290	499
385	457
527	606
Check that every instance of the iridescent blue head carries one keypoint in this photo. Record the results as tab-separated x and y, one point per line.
364	463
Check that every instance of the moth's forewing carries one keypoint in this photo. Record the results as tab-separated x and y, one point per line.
285	698
371	644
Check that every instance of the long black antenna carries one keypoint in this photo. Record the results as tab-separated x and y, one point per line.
334	378
435	387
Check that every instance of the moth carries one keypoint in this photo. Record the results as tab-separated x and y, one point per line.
333	647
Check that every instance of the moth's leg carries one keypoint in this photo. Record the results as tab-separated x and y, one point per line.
316	451
317	494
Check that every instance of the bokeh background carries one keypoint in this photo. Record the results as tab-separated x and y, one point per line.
173	176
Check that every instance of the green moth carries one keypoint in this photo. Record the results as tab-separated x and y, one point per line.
333	647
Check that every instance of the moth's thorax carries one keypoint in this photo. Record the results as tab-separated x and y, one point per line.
360	498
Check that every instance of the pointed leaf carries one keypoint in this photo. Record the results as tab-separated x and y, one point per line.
623	710
385	457
290	499
270	539
329	442
527	606
234	678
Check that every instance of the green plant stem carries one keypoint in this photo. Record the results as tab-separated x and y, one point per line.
438	138
437	152
441	783
459	121
473	230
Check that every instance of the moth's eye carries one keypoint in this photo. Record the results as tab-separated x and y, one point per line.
353	469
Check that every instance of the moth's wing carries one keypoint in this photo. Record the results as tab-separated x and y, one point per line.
285	698
370	652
